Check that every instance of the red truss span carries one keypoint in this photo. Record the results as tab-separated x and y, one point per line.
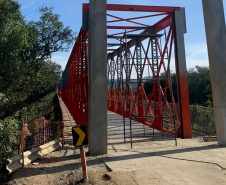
142	51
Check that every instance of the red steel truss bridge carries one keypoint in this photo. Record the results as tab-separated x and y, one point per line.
142	47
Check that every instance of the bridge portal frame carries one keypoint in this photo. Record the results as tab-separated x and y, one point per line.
84	88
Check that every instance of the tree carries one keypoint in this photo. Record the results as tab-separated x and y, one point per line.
12	42
39	85
52	36
25	50
28	77
199	86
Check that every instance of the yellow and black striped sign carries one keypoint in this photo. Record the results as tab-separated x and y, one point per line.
79	135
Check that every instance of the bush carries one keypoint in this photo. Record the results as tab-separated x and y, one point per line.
202	119
9	145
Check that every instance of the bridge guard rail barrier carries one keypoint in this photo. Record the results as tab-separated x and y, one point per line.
18	161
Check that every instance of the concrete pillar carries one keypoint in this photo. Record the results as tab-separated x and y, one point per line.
216	42
97	67
181	72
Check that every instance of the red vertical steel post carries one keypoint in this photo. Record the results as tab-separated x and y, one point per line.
181	73
140	98
157	124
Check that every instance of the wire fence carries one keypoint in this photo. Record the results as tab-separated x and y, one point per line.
202	121
39	132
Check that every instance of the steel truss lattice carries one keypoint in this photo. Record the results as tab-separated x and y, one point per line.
137	46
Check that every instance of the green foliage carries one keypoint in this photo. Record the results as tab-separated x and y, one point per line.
148	87
3	101
202	119
28	77
9	145
199	86
52	35
33	88
26	72
12	31
9	129
41	108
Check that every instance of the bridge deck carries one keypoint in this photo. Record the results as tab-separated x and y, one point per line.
68	123
140	132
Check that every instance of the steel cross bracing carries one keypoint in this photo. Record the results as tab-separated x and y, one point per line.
138	47
144	48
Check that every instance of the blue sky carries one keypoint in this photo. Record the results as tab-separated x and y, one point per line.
71	15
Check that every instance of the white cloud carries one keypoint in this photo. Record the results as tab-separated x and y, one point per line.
196	50
27	4
197	54
61	58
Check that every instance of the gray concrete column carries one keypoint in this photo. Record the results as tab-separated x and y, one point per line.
97	67
216	42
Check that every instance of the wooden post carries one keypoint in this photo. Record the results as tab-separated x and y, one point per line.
62	132
44	132
83	161
22	144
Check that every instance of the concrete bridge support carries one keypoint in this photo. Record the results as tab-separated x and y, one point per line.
216	42
97	62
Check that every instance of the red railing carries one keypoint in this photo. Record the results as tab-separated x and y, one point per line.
74	87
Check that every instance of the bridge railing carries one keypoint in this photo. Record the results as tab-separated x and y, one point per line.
73	88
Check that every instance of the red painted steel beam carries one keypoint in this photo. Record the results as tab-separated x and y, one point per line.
182	82
164	23
126	27
140	8
85	8
127	20
109	36
137	17
135	8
